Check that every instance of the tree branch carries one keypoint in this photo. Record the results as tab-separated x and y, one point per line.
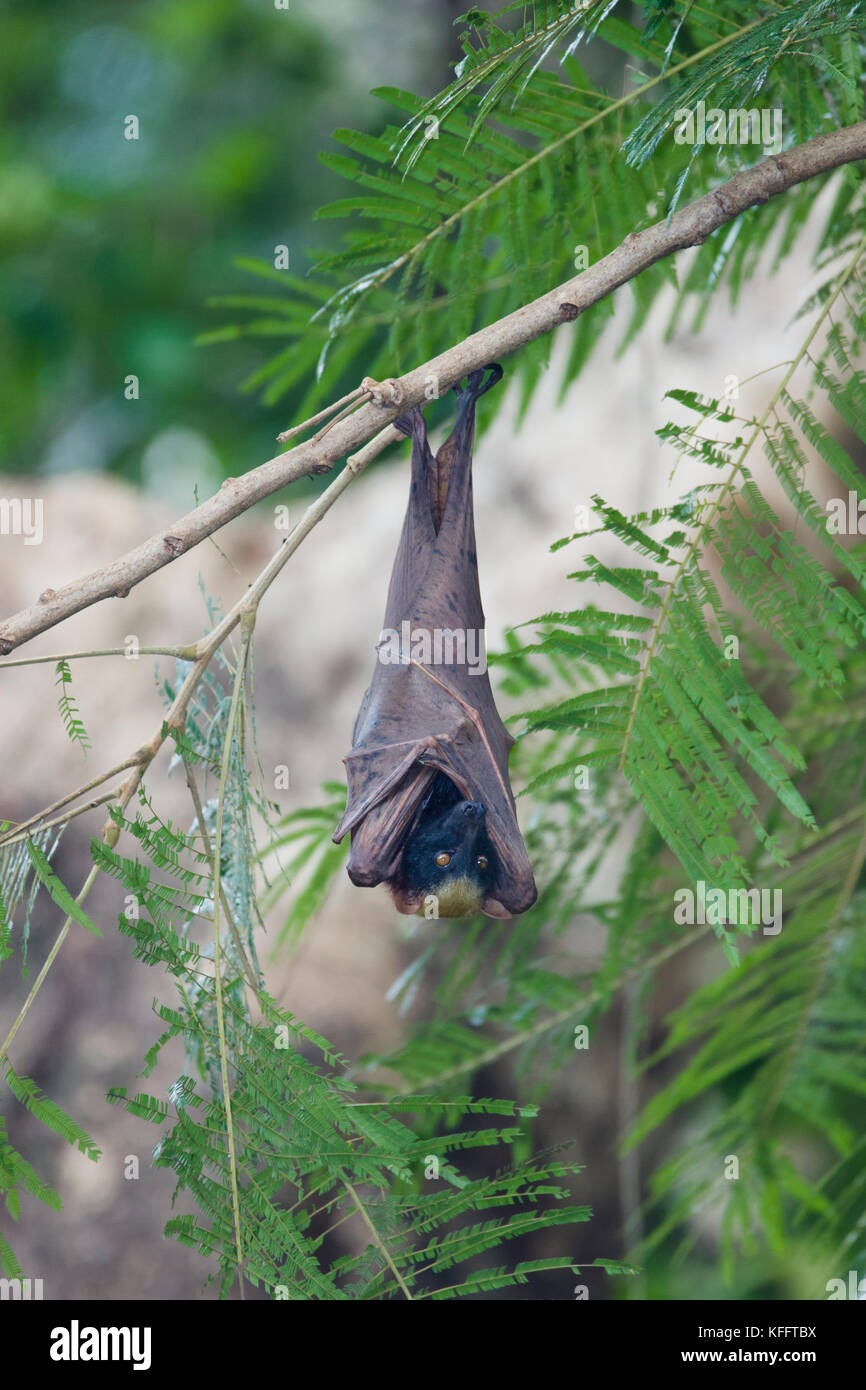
690	226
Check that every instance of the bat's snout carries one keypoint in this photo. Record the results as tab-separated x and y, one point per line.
473	810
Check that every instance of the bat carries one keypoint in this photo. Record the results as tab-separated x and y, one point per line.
429	804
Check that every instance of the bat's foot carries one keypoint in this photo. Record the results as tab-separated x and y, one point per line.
476	385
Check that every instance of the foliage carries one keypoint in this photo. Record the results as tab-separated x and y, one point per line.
725	777
69	711
700	726
110	245
296	1123
557	169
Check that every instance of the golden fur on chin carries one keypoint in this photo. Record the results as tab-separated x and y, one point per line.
459	898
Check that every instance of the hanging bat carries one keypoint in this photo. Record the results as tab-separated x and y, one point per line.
429	802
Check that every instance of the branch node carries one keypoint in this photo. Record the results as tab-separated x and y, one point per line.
388	392
110	833
776	160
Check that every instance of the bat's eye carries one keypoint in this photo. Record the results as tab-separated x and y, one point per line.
481	861
443	859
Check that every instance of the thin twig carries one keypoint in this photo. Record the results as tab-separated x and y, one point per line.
377	1239
186	653
15	828
199	811
247	627
322	415
59	820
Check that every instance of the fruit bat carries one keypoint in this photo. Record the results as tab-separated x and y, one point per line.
429	802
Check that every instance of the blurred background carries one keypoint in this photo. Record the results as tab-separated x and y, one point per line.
112	246
112	249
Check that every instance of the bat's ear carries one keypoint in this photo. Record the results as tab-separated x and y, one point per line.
406	902
492	908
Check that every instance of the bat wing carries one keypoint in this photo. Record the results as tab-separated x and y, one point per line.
398	746
387	781
478	765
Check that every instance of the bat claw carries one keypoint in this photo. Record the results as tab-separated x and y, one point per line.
475	383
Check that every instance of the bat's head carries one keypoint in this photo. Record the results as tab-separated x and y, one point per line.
448	855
